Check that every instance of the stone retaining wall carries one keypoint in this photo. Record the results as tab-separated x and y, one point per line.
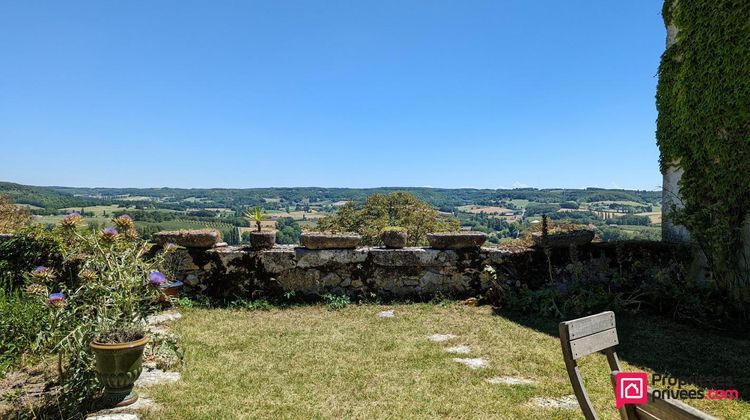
410	272
419	273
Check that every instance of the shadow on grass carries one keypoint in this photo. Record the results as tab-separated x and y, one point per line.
690	353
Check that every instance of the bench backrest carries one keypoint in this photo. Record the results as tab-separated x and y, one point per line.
598	333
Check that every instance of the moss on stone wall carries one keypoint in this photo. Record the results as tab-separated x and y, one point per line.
703	99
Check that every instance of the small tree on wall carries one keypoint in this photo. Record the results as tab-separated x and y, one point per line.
380	211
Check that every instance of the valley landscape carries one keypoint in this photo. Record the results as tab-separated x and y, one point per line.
504	214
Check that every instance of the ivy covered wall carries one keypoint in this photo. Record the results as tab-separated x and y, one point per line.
703	131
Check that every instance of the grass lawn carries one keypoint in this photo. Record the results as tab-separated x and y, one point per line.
310	362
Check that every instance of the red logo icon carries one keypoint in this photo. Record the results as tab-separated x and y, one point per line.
631	388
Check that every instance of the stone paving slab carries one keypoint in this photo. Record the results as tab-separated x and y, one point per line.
163	317
129	412
387	314
568	402
510	380
151	377
462	349
439	338
478	363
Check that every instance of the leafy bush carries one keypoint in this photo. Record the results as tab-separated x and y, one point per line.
288	231
630	219
336	302
252	305
29	248
12	217
22	319
631	278
397	209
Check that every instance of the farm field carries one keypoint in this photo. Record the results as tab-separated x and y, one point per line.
485	209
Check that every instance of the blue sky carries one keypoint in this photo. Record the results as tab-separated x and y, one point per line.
484	94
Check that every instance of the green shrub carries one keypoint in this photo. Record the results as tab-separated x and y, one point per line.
29	248
252	305
336	302
394	229
22	319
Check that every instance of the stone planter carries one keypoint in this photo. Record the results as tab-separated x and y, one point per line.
118	366
329	240
262	239
457	240
394	239
564	239
201	238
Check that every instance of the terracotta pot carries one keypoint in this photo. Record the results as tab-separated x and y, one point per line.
262	240
456	240
395	239
118	366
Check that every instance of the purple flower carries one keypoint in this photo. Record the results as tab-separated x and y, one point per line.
156	278
56	299
71	220
43	273
109	234
123	222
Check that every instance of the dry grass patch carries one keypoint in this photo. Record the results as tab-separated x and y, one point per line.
309	362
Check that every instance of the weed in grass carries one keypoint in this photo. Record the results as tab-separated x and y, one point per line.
184	302
252	305
336	302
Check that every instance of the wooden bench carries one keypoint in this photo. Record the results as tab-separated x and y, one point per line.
598	333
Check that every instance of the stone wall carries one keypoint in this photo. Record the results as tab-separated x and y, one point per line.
229	272
410	272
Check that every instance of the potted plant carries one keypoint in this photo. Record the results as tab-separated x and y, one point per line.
119	362
100	313
394	237
260	239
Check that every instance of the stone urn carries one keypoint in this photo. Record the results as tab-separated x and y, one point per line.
118	365
321	240
456	240
264	239
564	239
394	238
